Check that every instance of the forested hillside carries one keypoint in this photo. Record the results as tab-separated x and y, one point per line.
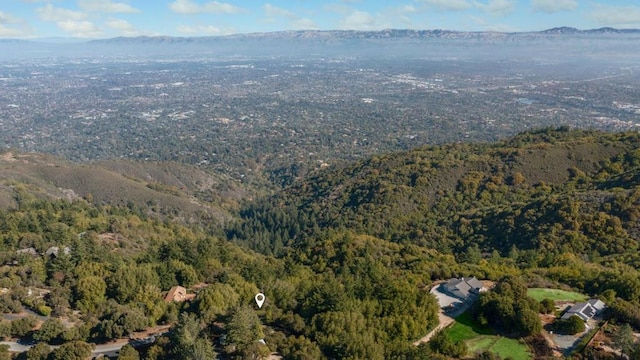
353	297
561	204
557	190
345	257
163	189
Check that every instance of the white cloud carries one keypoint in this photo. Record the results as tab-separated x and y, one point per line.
494	7
10	32
393	17
388	18
7	19
274	11
359	20
407	9
294	21
106	6
553	6
497	7
70	21
485	25
192	7
17	26
123	27
338	9
304	24
84	29
402	15
619	16
203	30
51	13
449	5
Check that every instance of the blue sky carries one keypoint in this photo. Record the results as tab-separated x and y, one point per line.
109	18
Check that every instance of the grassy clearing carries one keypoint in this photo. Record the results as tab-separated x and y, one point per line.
555	295
479	339
481	343
512	348
465	328
501	346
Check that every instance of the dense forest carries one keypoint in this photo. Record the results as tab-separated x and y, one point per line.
345	256
121	262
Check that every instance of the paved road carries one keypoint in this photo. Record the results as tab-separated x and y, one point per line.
15	347
444	319
110	349
24	313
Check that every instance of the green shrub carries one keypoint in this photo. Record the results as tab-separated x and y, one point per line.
22	327
43	310
570	326
547	306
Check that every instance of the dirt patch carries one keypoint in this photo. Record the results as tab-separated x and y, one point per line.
540	347
156	330
556	351
547	319
110	238
8	157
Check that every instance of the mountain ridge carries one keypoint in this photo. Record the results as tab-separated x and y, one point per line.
378	34
342	34
322	43
450	196
165	188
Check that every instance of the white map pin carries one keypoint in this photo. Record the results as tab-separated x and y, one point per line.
260	300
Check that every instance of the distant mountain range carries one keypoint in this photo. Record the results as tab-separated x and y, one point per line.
345	34
382	34
604	30
323	43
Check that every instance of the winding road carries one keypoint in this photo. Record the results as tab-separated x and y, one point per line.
111	349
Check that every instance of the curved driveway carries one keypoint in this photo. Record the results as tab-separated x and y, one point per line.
110	349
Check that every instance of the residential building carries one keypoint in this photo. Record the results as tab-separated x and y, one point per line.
463	288
585	310
178	294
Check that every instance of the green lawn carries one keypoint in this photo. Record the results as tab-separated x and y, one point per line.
501	346
480	338
465	328
555	294
480	343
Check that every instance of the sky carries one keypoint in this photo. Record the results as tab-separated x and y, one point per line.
111	18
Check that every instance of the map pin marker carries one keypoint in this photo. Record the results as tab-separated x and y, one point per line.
259	300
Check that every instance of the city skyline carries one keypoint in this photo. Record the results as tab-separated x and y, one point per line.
111	18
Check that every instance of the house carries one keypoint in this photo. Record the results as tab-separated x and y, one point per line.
597	304
476	285
585	310
463	288
178	294
54	251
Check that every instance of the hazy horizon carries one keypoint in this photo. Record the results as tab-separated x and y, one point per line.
112	18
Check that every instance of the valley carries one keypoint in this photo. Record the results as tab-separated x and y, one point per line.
148	193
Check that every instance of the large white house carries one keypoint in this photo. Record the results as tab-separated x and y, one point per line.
462	288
